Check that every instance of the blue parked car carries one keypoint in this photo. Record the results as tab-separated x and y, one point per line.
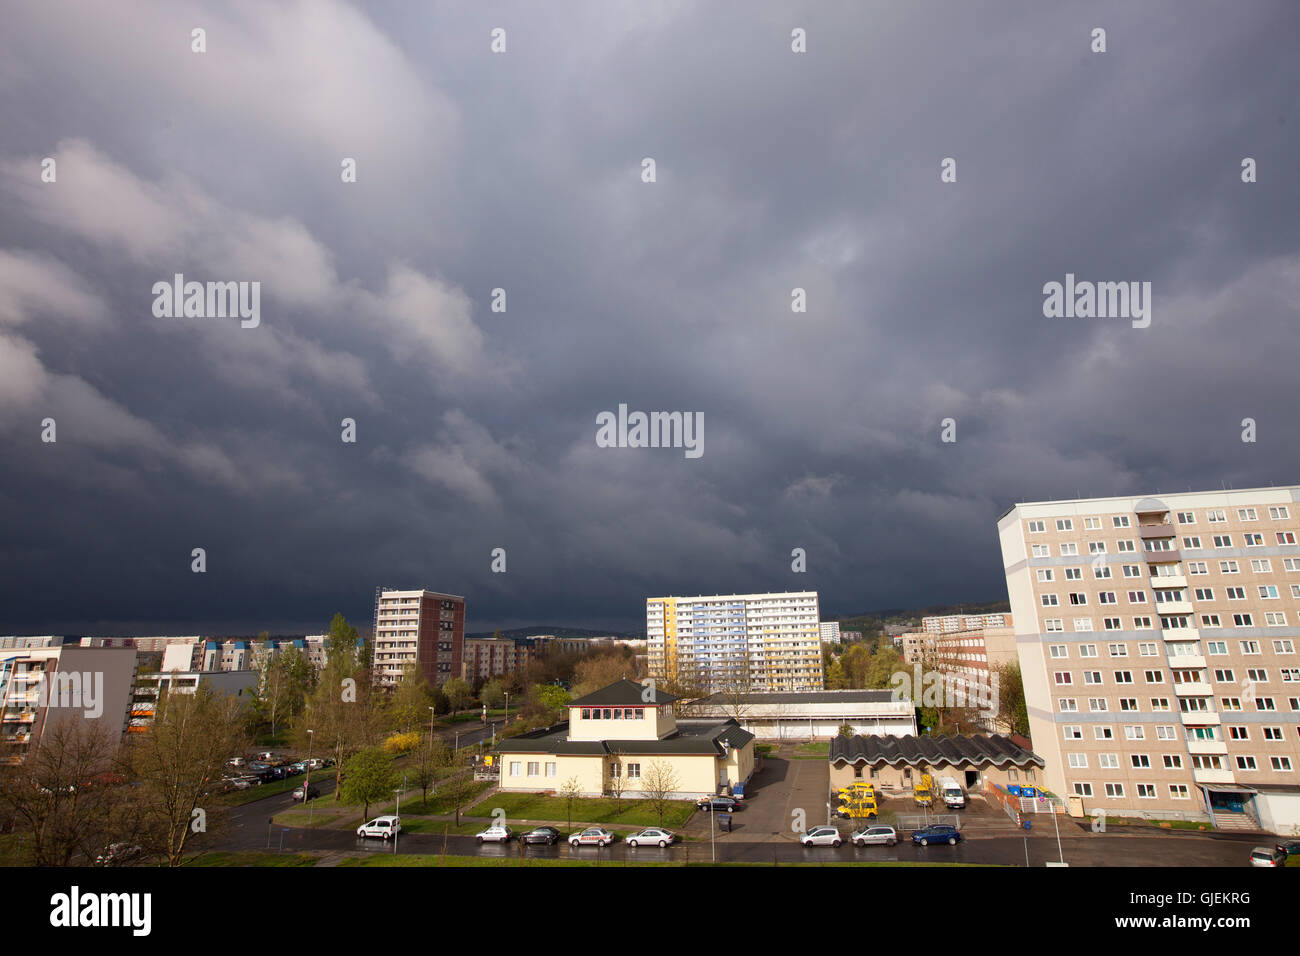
937	833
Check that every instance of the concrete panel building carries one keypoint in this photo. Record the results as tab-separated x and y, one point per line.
1157	639
811	715
424	628
752	642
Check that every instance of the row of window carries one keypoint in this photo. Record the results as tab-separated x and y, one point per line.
1254	675
1246	762
1213	516
1171	622
1070	549
1186	705
1236	732
1248	648
613	713
534	768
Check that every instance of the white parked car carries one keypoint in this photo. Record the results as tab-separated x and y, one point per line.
381	827
822	836
873	836
494	834
592	836
655	836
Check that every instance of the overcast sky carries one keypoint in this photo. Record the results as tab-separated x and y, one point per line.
523	171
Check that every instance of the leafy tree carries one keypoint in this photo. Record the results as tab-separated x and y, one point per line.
369	777
601	670
457	781
1012	712
408	707
493	694
423	767
459	694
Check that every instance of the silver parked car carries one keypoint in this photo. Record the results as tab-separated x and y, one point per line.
873	836
822	836
654	836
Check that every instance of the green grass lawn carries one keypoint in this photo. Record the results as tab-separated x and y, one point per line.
439	805
536	806
251	859
815	750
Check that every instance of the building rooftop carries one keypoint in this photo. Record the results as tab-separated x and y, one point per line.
996	749
692	737
801	697
624	693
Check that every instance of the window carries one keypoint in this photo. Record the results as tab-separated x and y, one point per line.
1063	678
1249	648
1078	761
1224	675
634	771
1135	732
1247	514
1083	789
1272	733
1236	594
1268	592
1129	704
1279	513
1092	677
1215	517
1148	649
1179	791
1091	524
1037	527
1280	764
1223	541
1286	537
1078	598
1126	545
1103	733
1106	597
1083	624
1074	574
1154	677
550	768
1117	650
1193	542
1173	762
1041	550
1160	703
1120	521
1197	567
1137	597
1275	618
1069	548
1064	524
1044	574
514	768
1142	624
1254	540
1058	651
533	768
1072	732
1049	600
1210	620
1087	650
1132	571
1115	791
1217	648
1261	565
1205	594
1243	620
1053	624
1108	761
1097	705
1283	647
1140	761
1112	624
1228	567
1186	517
1067	705
1096	547
1101	571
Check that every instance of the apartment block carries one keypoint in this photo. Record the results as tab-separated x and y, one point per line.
950	623
830	632
751	642
488	657
45	683
424	628
1157	640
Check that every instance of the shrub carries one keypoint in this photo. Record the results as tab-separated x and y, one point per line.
401	743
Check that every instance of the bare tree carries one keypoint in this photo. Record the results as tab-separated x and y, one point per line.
659	783
63	799
616	781
570	790
179	762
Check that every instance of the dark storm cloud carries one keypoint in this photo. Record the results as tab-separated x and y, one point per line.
477	429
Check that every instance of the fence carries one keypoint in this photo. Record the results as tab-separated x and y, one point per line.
1017	807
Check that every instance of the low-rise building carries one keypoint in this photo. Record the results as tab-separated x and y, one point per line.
810	715
627	738
896	763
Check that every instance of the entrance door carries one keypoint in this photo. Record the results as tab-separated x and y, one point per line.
972	779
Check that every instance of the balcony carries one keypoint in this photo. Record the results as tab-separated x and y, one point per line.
1161	557
1212	776
1200	718
1174	607
1189	661
1181	634
1218	747
1193	689
1169	581
1146	531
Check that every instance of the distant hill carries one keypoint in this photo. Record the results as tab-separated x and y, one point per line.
560	630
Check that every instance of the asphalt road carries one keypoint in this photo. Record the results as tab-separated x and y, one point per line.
248	830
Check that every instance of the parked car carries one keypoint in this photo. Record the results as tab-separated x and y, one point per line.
592	836
381	827
494	834
115	854
236	761
241	782
822	836
543	835
937	833
258	765
312	792
723	804
1290	847
874	836
315	763
298	767
654	835
1267	856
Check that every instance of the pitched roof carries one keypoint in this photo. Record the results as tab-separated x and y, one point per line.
800	697
703	738
995	749
624	693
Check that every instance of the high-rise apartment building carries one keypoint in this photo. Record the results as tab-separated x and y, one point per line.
751	642
951	623
424	628
1157	640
